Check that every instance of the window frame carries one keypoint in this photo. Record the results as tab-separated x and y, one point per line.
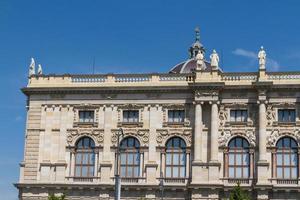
243	151
128	151
136	116
289	110
286	152
91	119
236	110
83	152
181	115
180	152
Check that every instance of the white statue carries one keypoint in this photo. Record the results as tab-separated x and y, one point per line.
214	60
200	60
40	70
32	67
262	56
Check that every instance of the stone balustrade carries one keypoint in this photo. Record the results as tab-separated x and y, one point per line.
251	76
284	76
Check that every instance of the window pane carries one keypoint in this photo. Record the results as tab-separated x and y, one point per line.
182	172
245	172
231	159
286	159
232	115
182	160
136	172
238	172
91	171
238	116
84	172
78	158
279	159
294	173
77	171
246	159
287	173
231	172
175	172
123	158
130	158
168	171
129	171
238	142
168	159
136	158
175	159
123	171
279	172
294	159
238	159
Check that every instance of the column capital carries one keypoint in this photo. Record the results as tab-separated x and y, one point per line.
214	102
198	102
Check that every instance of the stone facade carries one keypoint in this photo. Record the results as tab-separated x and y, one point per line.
207	97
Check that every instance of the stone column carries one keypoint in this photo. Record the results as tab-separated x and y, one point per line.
214	147
262	131
198	132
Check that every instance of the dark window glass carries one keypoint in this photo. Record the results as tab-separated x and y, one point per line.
176	116
286	115
130	116
130	157
238	158
286	158
84	157
238	115
86	116
175	158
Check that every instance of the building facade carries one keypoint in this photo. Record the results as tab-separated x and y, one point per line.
192	133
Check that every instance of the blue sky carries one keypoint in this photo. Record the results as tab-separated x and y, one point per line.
129	37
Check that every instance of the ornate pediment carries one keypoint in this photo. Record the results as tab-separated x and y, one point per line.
227	135
164	134
74	134
141	134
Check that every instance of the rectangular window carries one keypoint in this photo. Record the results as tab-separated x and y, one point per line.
286	115
130	116
238	115
86	116
176	116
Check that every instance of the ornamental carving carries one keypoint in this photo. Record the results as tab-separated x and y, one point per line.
271	115
227	135
276	134
164	134
141	134
223	115
202	93
74	134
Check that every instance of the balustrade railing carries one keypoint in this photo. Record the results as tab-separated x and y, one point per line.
132	78
82	179
283	75
88	79
175	180
251	76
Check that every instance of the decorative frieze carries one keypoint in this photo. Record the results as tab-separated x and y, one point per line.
141	134
227	135
74	134
164	134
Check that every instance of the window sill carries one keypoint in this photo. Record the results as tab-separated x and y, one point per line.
176	124
130	124
232	123
85	124
278	123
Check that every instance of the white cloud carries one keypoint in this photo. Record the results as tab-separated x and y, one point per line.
271	63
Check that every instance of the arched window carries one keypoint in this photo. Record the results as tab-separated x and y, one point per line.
238	158
85	157
175	158
286	158
130	157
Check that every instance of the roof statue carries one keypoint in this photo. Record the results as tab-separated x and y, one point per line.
200	60
262	56
196	46
32	67
40	70
214	60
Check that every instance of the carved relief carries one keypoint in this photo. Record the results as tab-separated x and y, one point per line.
227	135
141	134
271	115
74	134
201	93
223	115
276	134
164	134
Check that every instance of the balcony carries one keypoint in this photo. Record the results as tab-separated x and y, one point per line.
281	181
235	181
174	181
82	179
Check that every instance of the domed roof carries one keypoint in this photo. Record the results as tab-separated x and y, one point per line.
188	66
